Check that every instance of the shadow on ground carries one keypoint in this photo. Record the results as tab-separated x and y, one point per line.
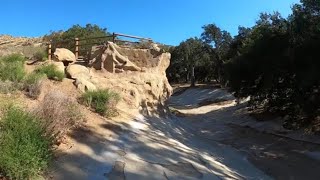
200	146
279	157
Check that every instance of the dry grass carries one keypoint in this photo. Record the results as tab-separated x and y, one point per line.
32	85
59	113
8	87
27	51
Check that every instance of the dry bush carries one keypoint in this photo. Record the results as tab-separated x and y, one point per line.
30	51
59	114
40	55
32	85
7	87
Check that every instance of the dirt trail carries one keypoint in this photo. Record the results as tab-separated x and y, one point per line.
147	148
278	156
197	146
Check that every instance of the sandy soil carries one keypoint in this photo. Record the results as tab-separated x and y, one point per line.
201	143
266	144
207	136
132	146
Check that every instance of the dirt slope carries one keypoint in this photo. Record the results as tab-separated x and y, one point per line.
24	45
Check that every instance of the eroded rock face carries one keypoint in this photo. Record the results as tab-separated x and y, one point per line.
107	57
136	74
63	54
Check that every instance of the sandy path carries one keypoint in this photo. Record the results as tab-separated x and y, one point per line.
136	147
277	155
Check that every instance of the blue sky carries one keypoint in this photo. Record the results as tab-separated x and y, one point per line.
165	21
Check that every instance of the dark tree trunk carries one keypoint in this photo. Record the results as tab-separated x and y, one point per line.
193	78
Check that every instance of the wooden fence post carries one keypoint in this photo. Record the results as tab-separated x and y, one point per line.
49	51
77	48
113	37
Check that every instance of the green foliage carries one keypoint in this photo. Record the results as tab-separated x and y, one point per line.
40	55
278	65
32	84
24	150
190	53
102	101
66	39
51	71
220	41
12	68
276	62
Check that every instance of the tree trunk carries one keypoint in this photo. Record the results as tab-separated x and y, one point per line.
187	77
193	78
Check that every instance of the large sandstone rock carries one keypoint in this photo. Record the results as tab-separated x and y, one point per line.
82	77
143	86
84	84
62	54
75	71
108	58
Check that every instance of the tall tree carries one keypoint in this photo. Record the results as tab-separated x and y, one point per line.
188	56
220	41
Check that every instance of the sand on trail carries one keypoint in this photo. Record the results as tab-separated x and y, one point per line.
132	146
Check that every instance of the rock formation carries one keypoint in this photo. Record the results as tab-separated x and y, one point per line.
138	75
62	54
107	57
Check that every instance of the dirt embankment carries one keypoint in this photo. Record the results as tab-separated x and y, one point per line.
22	45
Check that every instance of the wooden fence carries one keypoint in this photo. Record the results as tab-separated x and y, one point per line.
78	41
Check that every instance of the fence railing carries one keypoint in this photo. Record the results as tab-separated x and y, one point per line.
77	42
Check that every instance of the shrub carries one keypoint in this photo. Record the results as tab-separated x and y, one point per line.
8	87
51	71
12	68
6	101
40	55
13	58
24	149
29	51
32	84
59	114
66	38
102	101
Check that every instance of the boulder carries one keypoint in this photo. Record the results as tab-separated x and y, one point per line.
76	71
155	47
84	84
63	54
